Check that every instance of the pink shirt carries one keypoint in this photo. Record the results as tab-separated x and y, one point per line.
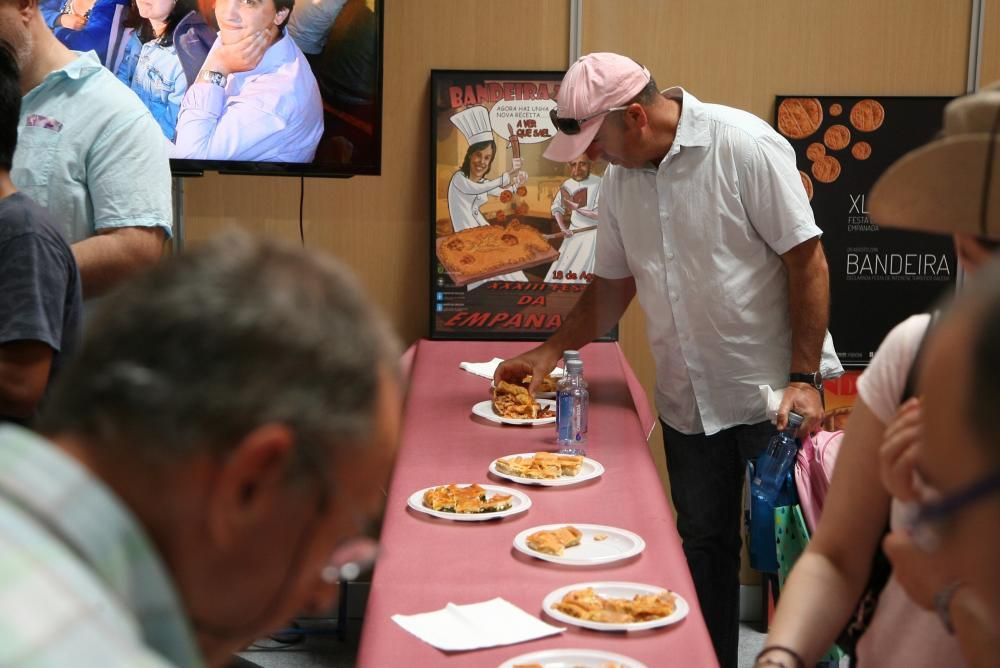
901	634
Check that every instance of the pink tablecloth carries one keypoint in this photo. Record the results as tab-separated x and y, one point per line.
427	563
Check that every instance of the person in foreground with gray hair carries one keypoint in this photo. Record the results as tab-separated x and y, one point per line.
203	468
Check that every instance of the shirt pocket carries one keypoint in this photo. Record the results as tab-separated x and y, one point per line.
160	87
36	148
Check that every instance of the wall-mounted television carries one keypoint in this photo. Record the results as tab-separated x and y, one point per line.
279	87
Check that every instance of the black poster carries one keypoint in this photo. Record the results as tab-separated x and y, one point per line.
878	277
513	234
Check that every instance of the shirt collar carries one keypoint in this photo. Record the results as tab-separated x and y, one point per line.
86	515
692	127
83	66
86	63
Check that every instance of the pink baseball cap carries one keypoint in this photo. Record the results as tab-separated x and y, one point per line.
592	85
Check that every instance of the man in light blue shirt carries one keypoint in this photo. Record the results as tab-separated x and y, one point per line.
88	151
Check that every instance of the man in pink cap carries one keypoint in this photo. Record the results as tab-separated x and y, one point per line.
704	216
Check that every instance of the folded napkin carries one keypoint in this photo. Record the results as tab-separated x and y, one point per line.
772	401
484	369
476	625
487	369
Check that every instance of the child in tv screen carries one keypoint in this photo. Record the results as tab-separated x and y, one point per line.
151	66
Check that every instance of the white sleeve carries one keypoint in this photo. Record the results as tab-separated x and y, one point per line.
882	383
772	193
210	127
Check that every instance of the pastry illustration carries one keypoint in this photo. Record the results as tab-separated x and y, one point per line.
837	137
862	150
799	117
807	184
826	169
867	115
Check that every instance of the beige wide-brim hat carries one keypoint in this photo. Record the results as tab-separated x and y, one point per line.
952	184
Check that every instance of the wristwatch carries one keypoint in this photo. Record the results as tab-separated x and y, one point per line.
815	379
209	76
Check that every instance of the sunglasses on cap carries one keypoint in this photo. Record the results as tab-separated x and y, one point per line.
572	126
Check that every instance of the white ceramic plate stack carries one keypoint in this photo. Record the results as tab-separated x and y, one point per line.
614	590
484	409
589	469
519	503
619	544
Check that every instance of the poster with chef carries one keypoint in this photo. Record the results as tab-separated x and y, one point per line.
513	235
878	277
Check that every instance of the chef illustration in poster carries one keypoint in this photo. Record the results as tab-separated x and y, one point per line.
574	209
469	187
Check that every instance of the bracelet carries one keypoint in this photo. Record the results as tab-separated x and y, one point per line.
942	604
762	660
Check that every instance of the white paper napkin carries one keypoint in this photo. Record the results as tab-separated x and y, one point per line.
476	625
484	369
772	401
487	369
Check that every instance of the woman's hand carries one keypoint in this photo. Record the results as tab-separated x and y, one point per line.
518	177
897	454
72	22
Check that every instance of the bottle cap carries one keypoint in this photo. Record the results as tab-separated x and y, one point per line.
571	355
574	366
794	419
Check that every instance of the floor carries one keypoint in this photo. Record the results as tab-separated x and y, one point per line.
320	648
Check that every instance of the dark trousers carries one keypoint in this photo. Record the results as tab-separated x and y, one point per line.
706	482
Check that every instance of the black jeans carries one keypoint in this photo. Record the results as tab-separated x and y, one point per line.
706	482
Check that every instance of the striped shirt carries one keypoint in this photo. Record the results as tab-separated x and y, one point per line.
80	582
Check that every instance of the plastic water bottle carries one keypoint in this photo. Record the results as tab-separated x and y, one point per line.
564	380
574	403
775	463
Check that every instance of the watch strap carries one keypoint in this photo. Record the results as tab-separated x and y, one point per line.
212	77
815	378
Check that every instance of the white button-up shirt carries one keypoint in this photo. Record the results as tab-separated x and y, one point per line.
702	234
272	113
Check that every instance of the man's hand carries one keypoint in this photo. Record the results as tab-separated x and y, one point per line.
897	454
801	398
242	55
72	21
537	362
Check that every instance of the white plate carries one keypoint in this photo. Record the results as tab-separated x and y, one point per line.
518	504
484	409
614	590
619	544
573	658
589	469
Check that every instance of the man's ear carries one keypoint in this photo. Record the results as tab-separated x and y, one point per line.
27	9
251	483
635	116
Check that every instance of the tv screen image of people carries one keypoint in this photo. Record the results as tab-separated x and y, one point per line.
257	86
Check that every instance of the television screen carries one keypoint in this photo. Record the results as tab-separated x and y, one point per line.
245	86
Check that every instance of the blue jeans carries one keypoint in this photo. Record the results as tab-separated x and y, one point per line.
706	482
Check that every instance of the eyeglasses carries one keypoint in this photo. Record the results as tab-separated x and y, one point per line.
927	522
572	126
